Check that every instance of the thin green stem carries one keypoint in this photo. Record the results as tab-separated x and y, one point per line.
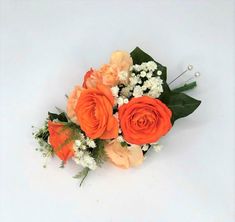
185	87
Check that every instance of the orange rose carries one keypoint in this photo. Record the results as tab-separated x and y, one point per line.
94	111
106	75
124	157
72	102
144	120
58	139
122	60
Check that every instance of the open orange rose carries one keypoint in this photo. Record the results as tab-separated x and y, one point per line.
94	111
59	140
144	120
124	157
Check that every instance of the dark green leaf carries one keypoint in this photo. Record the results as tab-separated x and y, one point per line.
181	105
82	174
61	117
139	56
99	153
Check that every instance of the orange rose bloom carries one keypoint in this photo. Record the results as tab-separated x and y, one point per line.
144	120
58	139
72	102
94	111
106	75
124	157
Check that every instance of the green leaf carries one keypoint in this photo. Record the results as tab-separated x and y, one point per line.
61	117
99	153
181	105
139	56
82	174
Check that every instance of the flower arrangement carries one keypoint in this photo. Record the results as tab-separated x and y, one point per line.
120	112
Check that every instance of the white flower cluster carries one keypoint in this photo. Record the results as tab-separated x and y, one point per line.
84	159
157	147
150	66
84	142
82	156
143	82
118	100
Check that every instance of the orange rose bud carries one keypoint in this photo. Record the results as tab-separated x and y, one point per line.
87	76
58	139
94	111
144	120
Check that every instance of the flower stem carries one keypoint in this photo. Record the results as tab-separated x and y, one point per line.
185	87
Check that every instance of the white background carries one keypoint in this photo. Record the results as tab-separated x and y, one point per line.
46	46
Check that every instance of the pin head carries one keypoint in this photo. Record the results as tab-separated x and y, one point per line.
190	67
197	74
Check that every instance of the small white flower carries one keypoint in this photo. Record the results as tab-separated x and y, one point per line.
143	74
144	87
156	81
120	101
144	66
152	66
149	75
115	91
145	147
154	94
126	91
137	67
78	143
120	139
137	91
84	159
157	147
134	80
89	162
82	136
125	100
90	143
147	84
159	72
123	75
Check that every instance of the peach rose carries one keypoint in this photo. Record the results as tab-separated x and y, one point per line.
94	112
58	137
72	102
144	120
106	75
122	60
124	157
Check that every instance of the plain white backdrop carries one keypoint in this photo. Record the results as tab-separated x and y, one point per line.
46	46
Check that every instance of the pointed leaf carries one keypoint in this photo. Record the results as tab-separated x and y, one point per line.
181	105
